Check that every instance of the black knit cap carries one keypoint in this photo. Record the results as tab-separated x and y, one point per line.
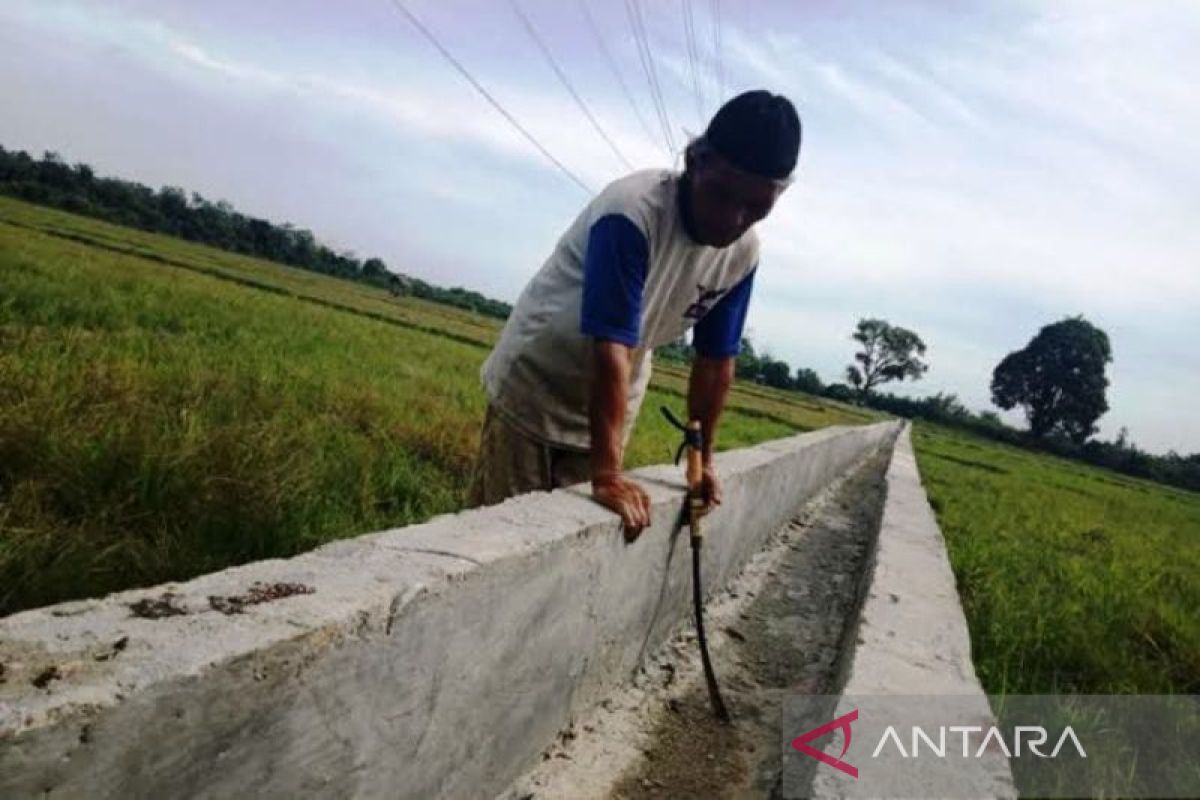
758	132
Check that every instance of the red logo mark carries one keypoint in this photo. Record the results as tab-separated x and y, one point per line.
843	722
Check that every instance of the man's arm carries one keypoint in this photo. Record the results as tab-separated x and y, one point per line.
716	339
615	267
606	413
708	386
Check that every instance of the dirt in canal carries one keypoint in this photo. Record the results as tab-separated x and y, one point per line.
778	629
786	641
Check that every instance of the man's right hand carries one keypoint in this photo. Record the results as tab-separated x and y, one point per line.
625	497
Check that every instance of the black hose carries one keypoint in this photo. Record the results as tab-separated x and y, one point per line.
710	677
693	438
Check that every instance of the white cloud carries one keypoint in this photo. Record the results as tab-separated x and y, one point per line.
1011	177
928	91
440	104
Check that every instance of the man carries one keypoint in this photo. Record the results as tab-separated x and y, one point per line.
654	254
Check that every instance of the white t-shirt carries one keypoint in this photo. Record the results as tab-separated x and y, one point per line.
647	282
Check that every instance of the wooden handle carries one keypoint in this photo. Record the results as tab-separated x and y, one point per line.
695	474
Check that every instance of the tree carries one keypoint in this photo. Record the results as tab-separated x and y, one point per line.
775	373
839	391
1058	379
399	285
806	380
944	408
991	418
889	353
173	204
746	367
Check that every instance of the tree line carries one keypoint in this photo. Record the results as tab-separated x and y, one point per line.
1057	379
51	181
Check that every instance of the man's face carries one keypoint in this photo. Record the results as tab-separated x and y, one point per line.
726	201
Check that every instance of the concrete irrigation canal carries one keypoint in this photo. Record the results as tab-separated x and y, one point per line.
777	628
524	650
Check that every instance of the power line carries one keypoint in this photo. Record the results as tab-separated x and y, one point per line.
693	54
718	55
428	34
634	12
567	83
637	41
644	38
616	70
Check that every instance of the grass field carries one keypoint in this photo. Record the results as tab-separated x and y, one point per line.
167	409
1074	579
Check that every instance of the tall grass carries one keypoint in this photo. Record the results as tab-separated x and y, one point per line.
1074	579
793	409
157	424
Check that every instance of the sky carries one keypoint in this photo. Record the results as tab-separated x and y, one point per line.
971	172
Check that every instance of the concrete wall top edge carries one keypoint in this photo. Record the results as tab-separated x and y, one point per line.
911	635
101	651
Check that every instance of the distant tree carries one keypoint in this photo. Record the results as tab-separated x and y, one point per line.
173	205
775	373
1058	379
678	350
398	285
889	353
747	365
1122	442
374	268
990	417
840	391
51	181
807	381
944	408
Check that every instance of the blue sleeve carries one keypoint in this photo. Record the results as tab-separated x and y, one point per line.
614	273
718	334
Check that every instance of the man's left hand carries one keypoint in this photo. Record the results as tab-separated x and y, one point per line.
710	488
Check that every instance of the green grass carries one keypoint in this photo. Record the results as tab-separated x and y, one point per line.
1073	579
167	409
795	410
